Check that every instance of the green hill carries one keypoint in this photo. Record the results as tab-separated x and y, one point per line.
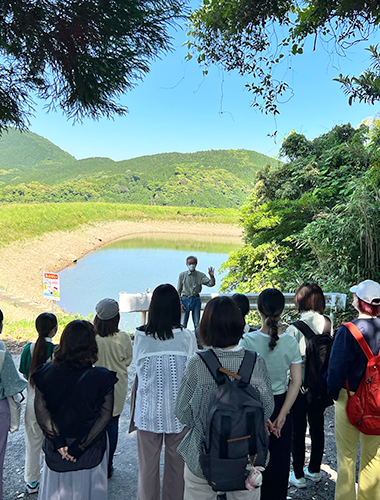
32	169
24	151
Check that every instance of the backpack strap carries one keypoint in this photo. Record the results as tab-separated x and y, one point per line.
359	337
304	328
246	367
210	359
220	374
363	344
327	327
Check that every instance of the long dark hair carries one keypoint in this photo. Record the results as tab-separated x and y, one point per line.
77	348
45	323
271	303
164	312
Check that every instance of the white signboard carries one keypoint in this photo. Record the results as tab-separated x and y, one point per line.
134	302
51	286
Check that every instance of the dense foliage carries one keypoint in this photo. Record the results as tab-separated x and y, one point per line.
79	56
255	37
34	170
316	217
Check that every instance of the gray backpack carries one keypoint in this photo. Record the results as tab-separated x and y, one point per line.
235	433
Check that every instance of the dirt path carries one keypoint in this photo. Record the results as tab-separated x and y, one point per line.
123	485
22	263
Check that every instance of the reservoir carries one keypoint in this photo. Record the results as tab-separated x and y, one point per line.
136	264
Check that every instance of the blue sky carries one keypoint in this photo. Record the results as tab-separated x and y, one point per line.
175	108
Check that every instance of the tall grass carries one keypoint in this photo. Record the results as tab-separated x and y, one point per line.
20	222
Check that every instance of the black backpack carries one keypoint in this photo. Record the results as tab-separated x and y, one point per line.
235	432
318	349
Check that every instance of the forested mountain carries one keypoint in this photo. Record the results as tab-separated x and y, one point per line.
33	169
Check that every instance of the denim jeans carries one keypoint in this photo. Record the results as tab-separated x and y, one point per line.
192	304
113	434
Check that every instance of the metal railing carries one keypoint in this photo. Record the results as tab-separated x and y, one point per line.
139	302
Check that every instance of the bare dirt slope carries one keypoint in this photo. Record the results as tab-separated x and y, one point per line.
22	263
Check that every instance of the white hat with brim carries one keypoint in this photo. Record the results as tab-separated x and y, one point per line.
368	291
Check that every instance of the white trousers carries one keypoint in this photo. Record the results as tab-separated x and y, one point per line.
33	440
197	488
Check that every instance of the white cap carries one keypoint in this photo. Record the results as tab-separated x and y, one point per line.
368	291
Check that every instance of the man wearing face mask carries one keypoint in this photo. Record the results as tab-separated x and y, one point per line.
189	287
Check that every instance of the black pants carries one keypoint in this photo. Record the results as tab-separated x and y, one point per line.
301	412
276	475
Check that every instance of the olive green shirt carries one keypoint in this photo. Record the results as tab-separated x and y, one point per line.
190	283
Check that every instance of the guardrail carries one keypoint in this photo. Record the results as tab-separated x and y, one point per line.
139	302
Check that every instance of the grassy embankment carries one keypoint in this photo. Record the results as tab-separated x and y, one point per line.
20	222
24	222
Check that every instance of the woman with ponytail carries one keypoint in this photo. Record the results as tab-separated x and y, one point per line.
281	354
34	355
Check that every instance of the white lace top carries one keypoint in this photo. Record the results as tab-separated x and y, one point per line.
160	365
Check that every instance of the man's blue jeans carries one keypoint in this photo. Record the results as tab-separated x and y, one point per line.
192	304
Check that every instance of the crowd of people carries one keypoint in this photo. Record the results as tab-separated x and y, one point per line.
76	391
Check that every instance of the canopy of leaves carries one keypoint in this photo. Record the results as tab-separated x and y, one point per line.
366	87
315	218
78	55
253	36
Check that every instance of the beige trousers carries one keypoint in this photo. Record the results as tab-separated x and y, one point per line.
197	488
149	445
33	440
347	438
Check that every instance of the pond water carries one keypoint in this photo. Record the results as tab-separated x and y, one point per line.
135	264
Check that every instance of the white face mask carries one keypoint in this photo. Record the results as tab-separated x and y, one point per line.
191	267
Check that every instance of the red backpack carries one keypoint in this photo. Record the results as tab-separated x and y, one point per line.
363	408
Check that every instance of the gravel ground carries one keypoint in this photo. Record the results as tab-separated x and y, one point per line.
123	484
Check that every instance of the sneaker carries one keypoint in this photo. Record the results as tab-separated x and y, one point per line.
32	487
298	483
314	476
